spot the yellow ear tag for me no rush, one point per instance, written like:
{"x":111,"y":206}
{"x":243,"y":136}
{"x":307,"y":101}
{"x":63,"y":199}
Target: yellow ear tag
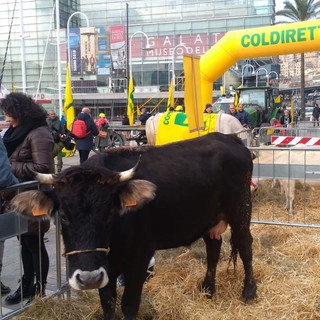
{"x":131,"y":203}
{"x":38,"y":212}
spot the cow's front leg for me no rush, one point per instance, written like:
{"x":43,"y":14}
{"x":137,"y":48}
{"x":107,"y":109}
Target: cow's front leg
{"x":213,"y":247}
{"x":134,"y":277}
{"x":108,"y":296}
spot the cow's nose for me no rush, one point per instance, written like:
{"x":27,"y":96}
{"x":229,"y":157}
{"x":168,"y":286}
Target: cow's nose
{"x":85,"y":280}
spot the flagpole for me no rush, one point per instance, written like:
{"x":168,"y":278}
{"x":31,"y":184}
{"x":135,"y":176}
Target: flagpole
{"x":59,"y":59}
{"x":22,"y":48}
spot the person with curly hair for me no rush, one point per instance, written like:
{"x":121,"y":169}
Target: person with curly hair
{"x":29,"y":145}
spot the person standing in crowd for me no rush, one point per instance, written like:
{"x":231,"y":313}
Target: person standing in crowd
{"x":232,"y":110}
{"x":285,"y":119}
{"x":315,"y":114}
{"x":6,"y":179}
{"x":208,"y":108}
{"x":29,"y":145}
{"x":85,"y":145}
{"x":243,"y":116}
{"x":144,"y":116}
{"x":54,"y":122}
{"x":125,"y":120}
{"x":178,"y":109}
{"x":56,"y":128}
{"x":102,"y":121}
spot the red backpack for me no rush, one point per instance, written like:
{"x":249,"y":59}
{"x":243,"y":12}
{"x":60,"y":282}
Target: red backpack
{"x":80,"y":129}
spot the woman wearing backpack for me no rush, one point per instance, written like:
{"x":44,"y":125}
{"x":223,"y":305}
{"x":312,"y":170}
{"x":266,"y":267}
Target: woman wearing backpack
{"x":84,"y":145}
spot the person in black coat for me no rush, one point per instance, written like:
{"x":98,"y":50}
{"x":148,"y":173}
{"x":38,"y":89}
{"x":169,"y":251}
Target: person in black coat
{"x":285,"y":119}
{"x":85,"y":145}
{"x":144,"y":116}
{"x":315,"y":115}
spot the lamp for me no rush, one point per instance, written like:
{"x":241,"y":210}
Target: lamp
{"x":68,"y":35}
{"x":257,"y":74}
{"x":277,"y":76}
{"x":243,"y":68}
{"x":147,"y":47}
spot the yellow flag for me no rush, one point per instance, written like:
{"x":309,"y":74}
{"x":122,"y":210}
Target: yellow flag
{"x":170,"y":103}
{"x":68,"y":107}
{"x":130,"y":107}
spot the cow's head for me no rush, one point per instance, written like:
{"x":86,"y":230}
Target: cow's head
{"x":87,"y":199}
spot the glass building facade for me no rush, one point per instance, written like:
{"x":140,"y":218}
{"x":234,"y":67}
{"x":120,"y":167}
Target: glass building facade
{"x":170,"y":25}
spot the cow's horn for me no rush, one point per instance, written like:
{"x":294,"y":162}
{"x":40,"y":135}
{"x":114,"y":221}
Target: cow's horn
{"x":45,"y":178}
{"x":128,"y":174}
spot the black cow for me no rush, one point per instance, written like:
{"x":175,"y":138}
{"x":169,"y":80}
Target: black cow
{"x":177,"y":194}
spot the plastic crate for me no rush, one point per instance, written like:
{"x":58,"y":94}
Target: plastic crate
{"x":12,"y":224}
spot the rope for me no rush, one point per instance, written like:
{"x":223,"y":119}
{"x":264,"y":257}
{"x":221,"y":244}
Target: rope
{"x":8,"y":41}
{"x":106,"y":250}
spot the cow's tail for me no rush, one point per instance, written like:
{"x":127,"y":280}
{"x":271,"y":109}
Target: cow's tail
{"x":234,"y":253}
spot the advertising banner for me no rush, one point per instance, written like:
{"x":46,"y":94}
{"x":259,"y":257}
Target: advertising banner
{"x":74,"y":46}
{"x":88,"y":50}
{"x":103,"y":56}
{"x":118,"y":46}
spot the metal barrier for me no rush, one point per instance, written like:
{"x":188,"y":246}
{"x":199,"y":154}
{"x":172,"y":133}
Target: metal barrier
{"x":289,"y":166}
{"x":12,"y":225}
{"x":301,"y":129}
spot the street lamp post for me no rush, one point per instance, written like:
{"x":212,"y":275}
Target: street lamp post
{"x":276,"y":73}
{"x":243,"y":68}
{"x":257,"y":74}
{"x":68,"y":35}
{"x":130,"y":55}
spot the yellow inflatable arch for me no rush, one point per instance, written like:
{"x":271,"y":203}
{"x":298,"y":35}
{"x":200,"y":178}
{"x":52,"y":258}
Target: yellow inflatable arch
{"x":257,"y":42}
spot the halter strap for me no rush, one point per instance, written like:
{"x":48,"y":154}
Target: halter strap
{"x":66,"y":254}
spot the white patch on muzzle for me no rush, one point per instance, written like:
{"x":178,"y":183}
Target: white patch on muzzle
{"x":86,"y":280}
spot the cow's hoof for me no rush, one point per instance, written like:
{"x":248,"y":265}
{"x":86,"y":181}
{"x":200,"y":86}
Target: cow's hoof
{"x":247,"y":301}
{"x":249,"y":294}
{"x":208,"y":289}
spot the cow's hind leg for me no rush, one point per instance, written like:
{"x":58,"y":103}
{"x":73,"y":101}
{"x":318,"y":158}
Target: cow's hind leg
{"x":213,"y":247}
{"x":241,"y":241}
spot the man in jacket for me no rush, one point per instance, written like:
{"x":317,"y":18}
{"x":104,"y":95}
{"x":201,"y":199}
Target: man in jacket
{"x":85,"y":145}
{"x":243,"y":116}
{"x":315,"y":114}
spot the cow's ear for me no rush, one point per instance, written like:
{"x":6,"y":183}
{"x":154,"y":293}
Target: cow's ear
{"x":135,"y":194}
{"x":34,"y":204}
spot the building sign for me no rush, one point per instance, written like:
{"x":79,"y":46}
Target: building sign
{"x":42,"y":98}
{"x":163,"y":46}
